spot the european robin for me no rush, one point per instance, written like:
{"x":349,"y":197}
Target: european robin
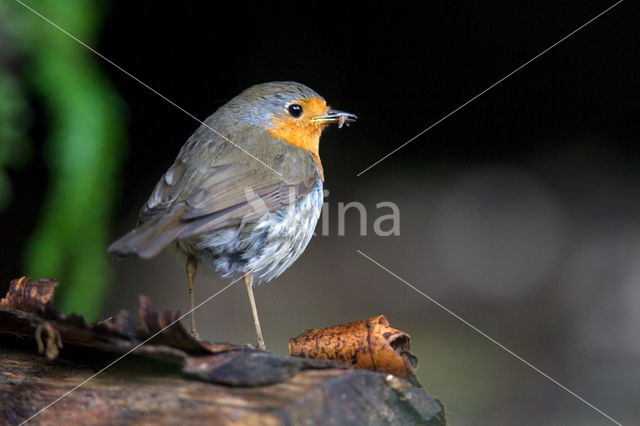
{"x":245,"y":192}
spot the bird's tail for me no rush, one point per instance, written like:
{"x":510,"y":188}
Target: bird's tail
{"x":148,"y":239}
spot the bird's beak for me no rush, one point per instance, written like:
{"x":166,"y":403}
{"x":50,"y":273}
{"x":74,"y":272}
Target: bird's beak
{"x":335,"y":116}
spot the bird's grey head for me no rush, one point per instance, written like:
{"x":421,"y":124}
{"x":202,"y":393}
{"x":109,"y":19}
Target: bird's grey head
{"x":260,"y":104}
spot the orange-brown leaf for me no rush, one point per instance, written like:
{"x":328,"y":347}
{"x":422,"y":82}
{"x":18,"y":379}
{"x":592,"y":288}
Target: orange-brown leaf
{"x":370,"y":344}
{"x":29,"y":296}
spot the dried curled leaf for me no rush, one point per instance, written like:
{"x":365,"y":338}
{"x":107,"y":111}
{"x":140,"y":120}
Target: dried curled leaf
{"x":370,"y":344}
{"x":26,"y":312}
{"x":49,"y":346}
{"x":30,"y":296}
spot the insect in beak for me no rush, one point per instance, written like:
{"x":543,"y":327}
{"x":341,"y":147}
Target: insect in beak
{"x":335,"y":116}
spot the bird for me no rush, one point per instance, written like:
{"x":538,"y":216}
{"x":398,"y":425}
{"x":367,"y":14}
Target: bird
{"x":245,"y":192}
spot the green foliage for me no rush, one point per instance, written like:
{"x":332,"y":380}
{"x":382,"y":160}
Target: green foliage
{"x":83,"y":151}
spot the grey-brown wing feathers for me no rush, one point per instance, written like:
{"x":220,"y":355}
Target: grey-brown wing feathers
{"x":204,"y":191}
{"x":149,"y":238}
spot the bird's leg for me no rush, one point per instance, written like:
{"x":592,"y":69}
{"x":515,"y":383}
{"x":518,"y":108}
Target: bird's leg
{"x":248,"y":283}
{"x":192,"y":270}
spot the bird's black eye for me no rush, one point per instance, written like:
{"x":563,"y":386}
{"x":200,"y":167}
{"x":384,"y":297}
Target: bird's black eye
{"x":295,"y":110}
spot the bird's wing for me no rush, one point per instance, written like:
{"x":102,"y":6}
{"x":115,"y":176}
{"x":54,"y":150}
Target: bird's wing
{"x":213,"y":185}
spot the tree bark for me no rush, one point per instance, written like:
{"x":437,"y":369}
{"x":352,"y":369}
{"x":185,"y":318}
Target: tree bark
{"x":140,"y":391}
{"x":122,"y":371}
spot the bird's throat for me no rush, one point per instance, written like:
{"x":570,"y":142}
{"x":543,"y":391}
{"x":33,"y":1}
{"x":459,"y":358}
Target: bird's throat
{"x":300,"y":134}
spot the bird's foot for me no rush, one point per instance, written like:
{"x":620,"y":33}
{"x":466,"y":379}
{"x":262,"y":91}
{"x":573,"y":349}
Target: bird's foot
{"x":195,"y":334}
{"x":256,"y":346}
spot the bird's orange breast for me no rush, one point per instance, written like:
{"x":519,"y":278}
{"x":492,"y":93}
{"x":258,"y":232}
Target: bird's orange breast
{"x":302,"y":131}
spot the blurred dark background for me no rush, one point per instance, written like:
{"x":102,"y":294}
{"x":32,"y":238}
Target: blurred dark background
{"x":519,"y":212}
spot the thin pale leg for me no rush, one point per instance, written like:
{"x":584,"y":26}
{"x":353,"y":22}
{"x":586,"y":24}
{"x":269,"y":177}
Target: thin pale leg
{"x":248,"y":283}
{"x":192,"y":270}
